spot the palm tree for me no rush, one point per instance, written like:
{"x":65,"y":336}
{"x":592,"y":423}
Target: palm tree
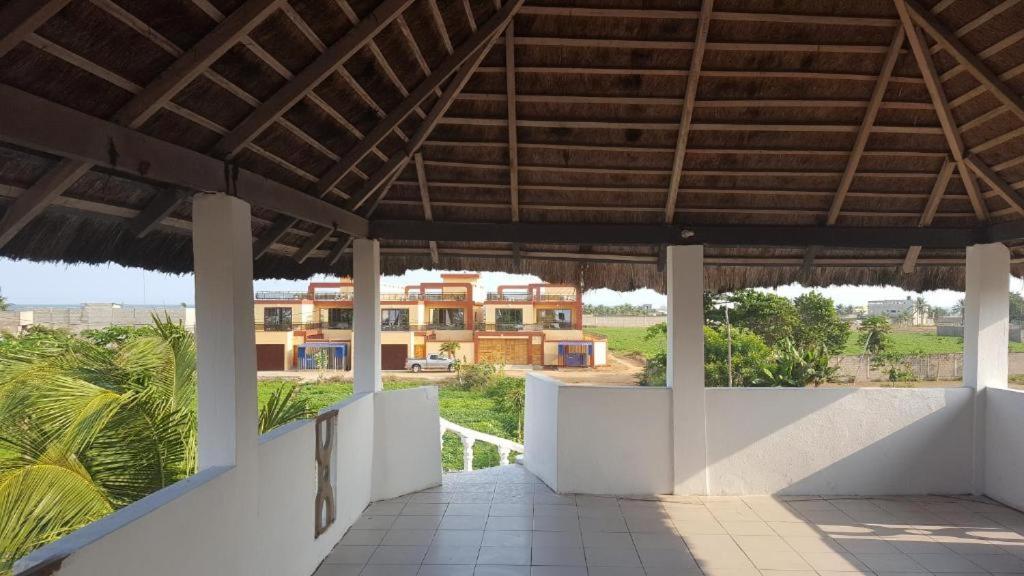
{"x":450,"y":349}
{"x":89,"y":427}
{"x":3,"y":303}
{"x":920,"y":307}
{"x":959,"y":308}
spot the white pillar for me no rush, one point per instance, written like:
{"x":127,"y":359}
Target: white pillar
{"x":986,"y":334}
{"x":685,"y":369}
{"x":366,"y":315}
{"x":225,"y":339}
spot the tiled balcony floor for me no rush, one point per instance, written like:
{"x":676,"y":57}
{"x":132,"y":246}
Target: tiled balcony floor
{"x":505,"y":522}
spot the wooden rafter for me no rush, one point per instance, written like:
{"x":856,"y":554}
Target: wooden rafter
{"x":452,"y":63}
{"x":938,"y":96}
{"x":692,"y":82}
{"x":428,"y":212}
{"x":477,"y":49}
{"x":861,"y":142}
{"x":513,"y":136}
{"x":442,"y":30}
{"x":996,"y":182}
{"x":930,"y":209}
{"x":309,"y":78}
{"x":159,"y":208}
{"x":38,"y":124}
{"x":21,"y":18}
{"x":971,"y":61}
{"x":312,"y":244}
{"x":140,"y":108}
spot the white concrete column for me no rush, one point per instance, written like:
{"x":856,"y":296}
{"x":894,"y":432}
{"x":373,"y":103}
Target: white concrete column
{"x":986,"y":333}
{"x":366,"y":315}
{"x":225,"y":339}
{"x":685,"y":369}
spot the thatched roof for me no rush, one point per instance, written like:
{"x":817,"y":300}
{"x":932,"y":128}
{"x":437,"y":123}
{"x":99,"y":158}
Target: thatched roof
{"x":774,"y":99}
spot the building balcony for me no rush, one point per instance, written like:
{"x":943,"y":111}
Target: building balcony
{"x":281,"y":295}
{"x":517,"y":327}
{"x":509,"y":297}
{"x":291,"y":326}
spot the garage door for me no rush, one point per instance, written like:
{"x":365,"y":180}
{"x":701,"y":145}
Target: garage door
{"x":392,"y":356}
{"x":504,"y":350}
{"x":270,"y":356}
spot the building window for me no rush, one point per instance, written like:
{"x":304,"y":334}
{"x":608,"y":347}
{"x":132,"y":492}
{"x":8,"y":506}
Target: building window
{"x":508,"y":319}
{"x":394,"y":319}
{"x":448,"y":319}
{"x":555,"y":319}
{"x":277,"y":319}
{"x":339,"y":318}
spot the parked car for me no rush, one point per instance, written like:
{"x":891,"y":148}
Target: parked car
{"x":431,"y":362}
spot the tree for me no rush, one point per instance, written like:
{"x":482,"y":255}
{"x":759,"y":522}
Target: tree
{"x":770,"y":316}
{"x":749,"y":354}
{"x":819,"y":324}
{"x":89,"y":427}
{"x":875,"y":335}
{"x":920,"y":307}
{"x":450,"y":349}
{"x":959,"y":308}
{"x":3,"y":303}
{"x":1016,"y":307}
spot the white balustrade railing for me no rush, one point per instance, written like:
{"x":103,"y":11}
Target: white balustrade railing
{"x":468,"y":436}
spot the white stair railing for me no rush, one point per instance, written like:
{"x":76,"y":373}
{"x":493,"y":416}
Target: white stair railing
{"x":468,"y":436}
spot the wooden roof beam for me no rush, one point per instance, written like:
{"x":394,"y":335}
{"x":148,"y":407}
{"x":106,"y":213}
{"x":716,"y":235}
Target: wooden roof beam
{"x":20,"y":18}
{"x":861,"y":142}
{"x":930,"y":209}
{"x":428,"y":212}
{"x":140,"y":108}
{"x":312,"y":244}
{"x":668,"y":234}
{"x":996,"y":182}
{"x":956,"y":48}
{"x":154,"y":213}
{"x":38,"y":124}
{"x":686,"y":116}
{"x":942,"y":109}
{"x":450,"y":65}
{"x":309,"y":78}
{"x":513,"y":136}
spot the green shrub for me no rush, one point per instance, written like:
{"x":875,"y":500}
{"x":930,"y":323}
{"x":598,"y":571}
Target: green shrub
{"x":795,"y":367}
{"x":473,"y":376}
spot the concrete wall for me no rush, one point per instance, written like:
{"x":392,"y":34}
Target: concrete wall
{"x":598,"y":439}
{"x":590,"y":320}
{"x":839,"y":441}
{"x":386,"y":443}
{"x":929,"y":367}
{"x":97,"y":316}
{"x":614,"y":440}
{"x":1004,"y":446}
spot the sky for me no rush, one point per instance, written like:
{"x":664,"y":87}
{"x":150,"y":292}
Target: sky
{"x":31,"y":283}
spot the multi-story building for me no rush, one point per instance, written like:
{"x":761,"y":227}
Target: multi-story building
{"x":537,"y":324}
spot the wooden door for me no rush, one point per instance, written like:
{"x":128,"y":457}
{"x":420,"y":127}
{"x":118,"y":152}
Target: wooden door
{"x":392,"y":356}
{"x":270,"y":357}
{"x":504,"y":350}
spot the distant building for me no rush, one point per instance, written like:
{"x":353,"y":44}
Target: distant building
{"x":93,"y":316}
{"x":900,"y":311}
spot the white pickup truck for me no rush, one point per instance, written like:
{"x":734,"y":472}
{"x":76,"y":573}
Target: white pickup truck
{"x":431,"y":362}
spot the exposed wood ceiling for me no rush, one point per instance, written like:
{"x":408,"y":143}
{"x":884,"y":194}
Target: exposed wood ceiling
{"x":329,"y":114}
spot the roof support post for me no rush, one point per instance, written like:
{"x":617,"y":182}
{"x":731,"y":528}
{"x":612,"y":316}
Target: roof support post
{"x":685,"y":370}
{"x":692,"y":82}
{"x":949,"y":128}
{"x":366,"y":316}
{"x":986,"y":327}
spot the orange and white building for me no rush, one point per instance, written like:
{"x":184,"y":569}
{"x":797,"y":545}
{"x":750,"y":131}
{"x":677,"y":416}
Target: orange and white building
{"x":526,"y":325}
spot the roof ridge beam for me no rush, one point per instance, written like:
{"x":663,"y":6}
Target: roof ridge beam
{"x":686,"y":116}
{"x":867,"y":122}
{"x":959,"y":51}
{"x":954,"y":140}
{"x":139,"y":109}
{"x":309,"y":78}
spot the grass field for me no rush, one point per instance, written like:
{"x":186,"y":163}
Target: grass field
{"x":631,"y":341}
{"x":471,"y":409}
